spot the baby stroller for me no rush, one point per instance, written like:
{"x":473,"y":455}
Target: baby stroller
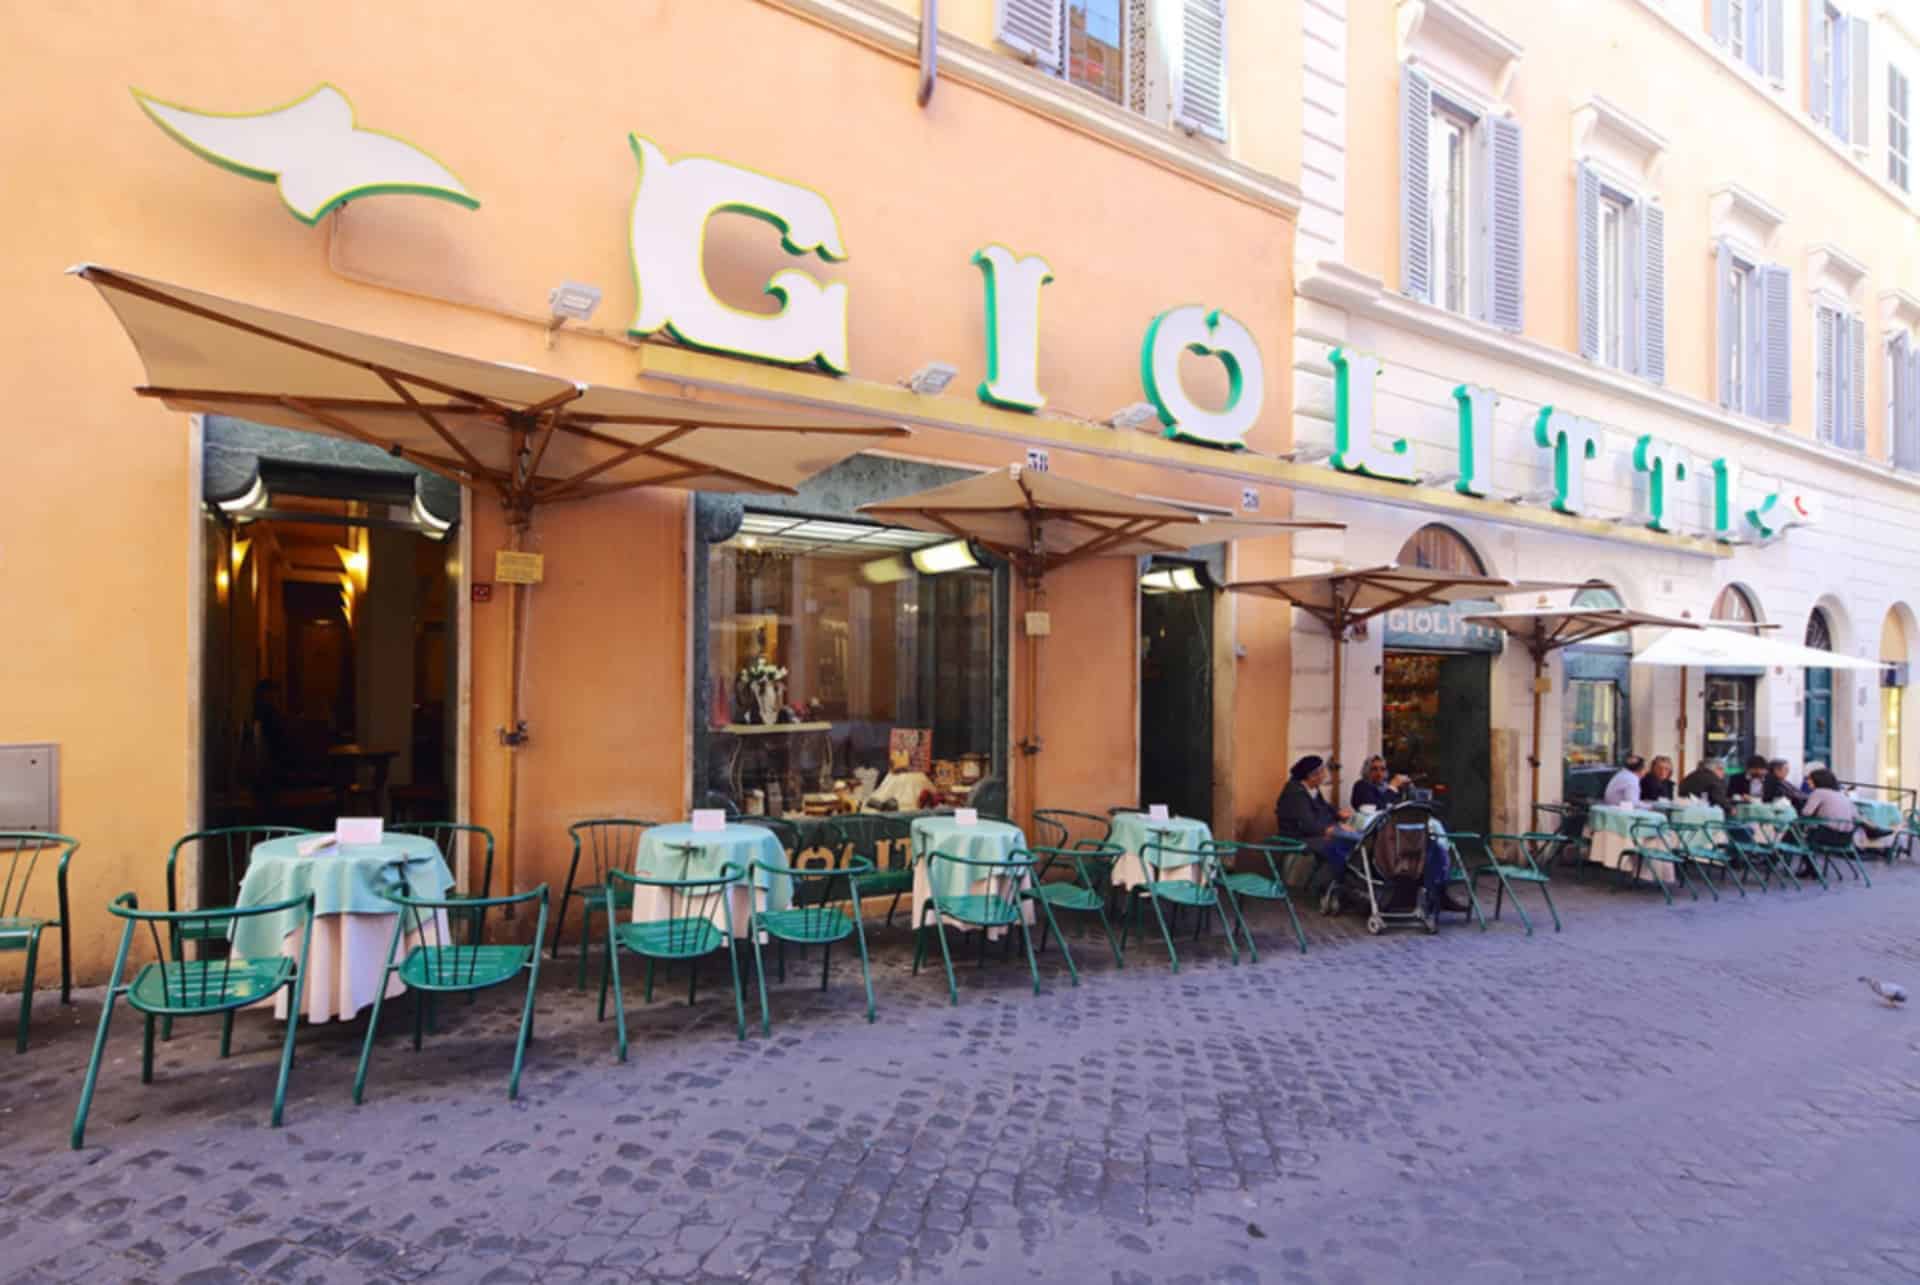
{"x":1391,"y":864}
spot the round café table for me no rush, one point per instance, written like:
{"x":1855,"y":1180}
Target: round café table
{"x":984,"y":840}
{"x":352,"y":918}
{"x":1133,"y":831}
{"x":679,"y":851}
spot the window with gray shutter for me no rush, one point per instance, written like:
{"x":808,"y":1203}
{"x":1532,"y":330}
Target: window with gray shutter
{"x":1855,"y":385}
{"x":1718,"y":22}
{"x":1032,"y":28}
{"x":1826,"y":373}
{"x":1819,"y":50}
{"x":1587,"y":248}
{"x":1859,"y":101}
{"x":1776,"y":42}
{"x":1416,"y":217}
{"x":1840,"y":110}
{"x":1505,"y":257}
{"x":1727,"y":331}
{"x":1908,"y":455}
{"x":1776,"y":293}
{"x":1200,"y":69}
{"x":1653,"y":292}
{"x":1899,"y":395}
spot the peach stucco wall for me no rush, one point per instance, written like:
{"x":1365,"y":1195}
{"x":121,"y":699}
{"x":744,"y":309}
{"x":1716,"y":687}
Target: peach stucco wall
{"x":533,"y":115}
{"x":1721,"y":130}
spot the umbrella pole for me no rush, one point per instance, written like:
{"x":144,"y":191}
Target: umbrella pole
{"x":1533,"y":755}
{"x":510,"y":735}
{"x":1339,"y":646}
{"x":1682,"y":724}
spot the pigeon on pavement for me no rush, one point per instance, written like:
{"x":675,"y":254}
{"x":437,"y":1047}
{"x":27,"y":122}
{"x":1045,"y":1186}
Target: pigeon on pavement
{"x":1892,"y":992}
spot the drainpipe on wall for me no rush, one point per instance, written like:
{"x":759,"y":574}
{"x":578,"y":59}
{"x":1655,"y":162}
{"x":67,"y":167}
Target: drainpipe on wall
{"x":929,"y":49}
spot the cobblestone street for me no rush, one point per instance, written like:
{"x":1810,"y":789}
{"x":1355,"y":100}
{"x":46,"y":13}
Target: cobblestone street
{"x":1698,"y":1093}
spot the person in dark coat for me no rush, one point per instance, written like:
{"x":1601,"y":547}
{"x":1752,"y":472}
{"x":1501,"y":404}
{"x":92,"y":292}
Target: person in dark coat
{"x":1779,"y":785}
{"x":1753,"y":783}
{"x":1708,"y":782}
{"x":1303,"y":813}
{"x":1657,"y":784}
{"x":1375,"y":788}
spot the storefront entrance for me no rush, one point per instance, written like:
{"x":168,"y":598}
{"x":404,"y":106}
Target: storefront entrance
{"x":1436,"y":716}
{"x":1176,"y":692}
{"x":1817,"y":743}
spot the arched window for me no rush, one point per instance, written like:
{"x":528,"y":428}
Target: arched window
{"x":1734,"y":603}
{"x":1438,"y":548}
{"x":1819,"y":631}
{"x":1597,"y":595}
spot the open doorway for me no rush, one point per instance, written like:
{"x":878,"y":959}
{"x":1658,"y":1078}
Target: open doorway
{"x":329,"y":680}
{"x":1176,"y":688}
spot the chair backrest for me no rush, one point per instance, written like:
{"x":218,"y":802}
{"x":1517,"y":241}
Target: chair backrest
{"x":450,"y":837}
{"x":692,"y":900}
{"x":1000,"y":881}
{"x":207,"y":983}
{"x":1090,"y":863}
{"x":23,"y":853}
{"x":1066,"y":828}
{"x":222,"y":854}
{"x":815,"y":890}
{"x":1653,"y":835}
{"x":605,"y":844}
{"x":880,"y":840}
{"x":449,"y":962}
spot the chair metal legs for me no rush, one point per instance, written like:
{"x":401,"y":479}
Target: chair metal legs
{"x":26,"y":995}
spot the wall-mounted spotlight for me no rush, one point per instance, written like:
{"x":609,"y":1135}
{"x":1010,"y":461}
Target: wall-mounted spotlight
{"x":1307,"y":454}
{"x":1138,"y":415}
{"x":931,"y":379}
{"x":570,"y":301}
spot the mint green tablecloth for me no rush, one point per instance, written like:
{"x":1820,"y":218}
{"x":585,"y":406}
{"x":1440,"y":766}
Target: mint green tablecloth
{"x":981,"y":841}
{"x":350,"y":880}
{"x":1778,"y":812}
{"x":1620,"y":821}
{"x":678,"y":851}
{"x":1878,"y":812}
{"x":1135,"y":830}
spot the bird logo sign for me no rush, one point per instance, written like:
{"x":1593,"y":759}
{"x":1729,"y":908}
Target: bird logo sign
{"x":312,"y":150}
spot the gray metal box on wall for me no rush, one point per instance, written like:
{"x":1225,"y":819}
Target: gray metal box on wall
{"x":30,"y":787}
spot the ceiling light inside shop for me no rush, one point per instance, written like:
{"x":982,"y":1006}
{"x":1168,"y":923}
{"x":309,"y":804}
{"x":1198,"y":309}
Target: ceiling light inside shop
{"x":1171,"y":580}
{"x":931,"y":378}
{"x":955,"y":555}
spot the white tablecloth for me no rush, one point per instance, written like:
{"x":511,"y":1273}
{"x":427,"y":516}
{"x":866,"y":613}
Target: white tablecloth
{"x":344,"y":964}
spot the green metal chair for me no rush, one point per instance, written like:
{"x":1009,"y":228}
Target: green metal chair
{"x":883,"y":842}
{"x":437,"y":964}
{"x":1459,"y":877}
{"x":1181,"y":878}
{"x":450,"y":836}
{"x":607,"y":844}
{"x":1706,"y":854}
{"x":1261,"y":884}
{"x":1086,"y":891}
{"x":1536,"y":852}
{"x":812,"y":918}
{"x":223,"y":854}
{"x":180,"y":987}
{"x":1065,"y":828}
{"x":1755,"y":853}
{"x":688,"y":934}
{"x":1654,"y":841}
{"x":23,"y":853}
{"x":1734,"y":860}
{"x":999,"y":907}
{"x":1827,"y":845}
{"x":1792,"y":852}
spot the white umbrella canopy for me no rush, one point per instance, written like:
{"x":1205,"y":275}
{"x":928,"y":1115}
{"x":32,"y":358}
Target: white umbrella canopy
{"x":1710,"y":648}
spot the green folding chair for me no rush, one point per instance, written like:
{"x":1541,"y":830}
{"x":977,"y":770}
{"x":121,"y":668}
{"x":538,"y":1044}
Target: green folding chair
{"x":1174,"y":879}
{"x":173,"y":986}
{"x":1705,"y":856}
{"x":23,"y":853}
{"x":1085,"y":889}
{"x":1260,"y":884}
{"x":1536,"y":852}
{"x":1652,"y":842}
{"x":605,"y":844}
{"x":223,"y":855}
{"x":687,"y":935}
{"x":999,"y":907}
{"x":1830,"y":845}
{"x":812,"y":917}
{"x":1793,"y":852}
{"x":450,"y":837}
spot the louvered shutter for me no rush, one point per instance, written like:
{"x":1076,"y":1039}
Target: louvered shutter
{"x":1653,"y":292}
{"x":1033,"y":28}
{"x":1587,"y":246}
{"x":1819,"y":93}
{"x":1825,"y":374}
{"x":1910,"y":422}
{"x":1723,"y":343}
{"x":1776,"y":291}
{"x":1899,"y":396}
{"x":1776,"y":41}
{"x":1200,"y":70}
{"x":1505,"y":214}
{"x":1720,"y":22}
{"x":1840,"y":111}
{"x":1416,"y":177}
{"x":1857,"y":383}
{"x":1860,"y":36}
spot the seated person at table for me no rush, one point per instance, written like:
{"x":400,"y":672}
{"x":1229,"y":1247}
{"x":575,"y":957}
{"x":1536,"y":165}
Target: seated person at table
{"x":1806,"y":775}
{"x":1779,"y":786}
{"x":1657,"y":784}
{"x":1830,"y":805}
{"x":1375,"y":788}
{"x":1302,"y":812}
{"x":1751,"y":785}
{"x":1623,"y":788}
{"x":1708,"y":783}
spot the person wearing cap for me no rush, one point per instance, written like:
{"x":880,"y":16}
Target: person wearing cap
{"x":1303,"y":813}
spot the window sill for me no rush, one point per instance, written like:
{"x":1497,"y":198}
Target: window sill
{"x":993,"y":72}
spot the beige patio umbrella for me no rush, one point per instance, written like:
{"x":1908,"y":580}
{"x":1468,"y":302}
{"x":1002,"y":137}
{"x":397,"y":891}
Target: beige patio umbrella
{"x":525,"y":437}
{"x":1545,"y":630}
{"x":1343,"y":598}
{"x":1041,"y":521}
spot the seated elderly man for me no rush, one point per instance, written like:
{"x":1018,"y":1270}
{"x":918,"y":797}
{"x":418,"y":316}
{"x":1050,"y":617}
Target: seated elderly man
{"x":1623,"y":789}
{"x":1707,"y":782}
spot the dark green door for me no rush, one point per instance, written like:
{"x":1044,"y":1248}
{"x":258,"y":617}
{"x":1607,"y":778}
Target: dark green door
{"x":1463,"y":742}
{"x":1819,"y":738}
{"x":1176,"y":702}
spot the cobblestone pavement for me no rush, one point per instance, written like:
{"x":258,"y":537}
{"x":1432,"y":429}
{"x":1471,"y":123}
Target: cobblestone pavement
{"x":1698,"y":1093}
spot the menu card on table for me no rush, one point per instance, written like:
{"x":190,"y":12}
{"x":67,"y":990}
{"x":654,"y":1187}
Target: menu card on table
{"x":358,"y":830}
{"x":1157,"y":812}
{"x":709,"y":820}
{"x":966,"y":816}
